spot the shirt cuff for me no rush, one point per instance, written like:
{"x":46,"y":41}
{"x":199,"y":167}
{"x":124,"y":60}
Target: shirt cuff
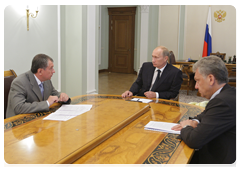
{"x":196,"y":120}
{"x":47,"y":103}
{"x":157,"y":95}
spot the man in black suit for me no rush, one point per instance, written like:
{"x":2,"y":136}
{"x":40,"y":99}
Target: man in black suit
{"x":152,"y":83}
{"x":213,"y":132}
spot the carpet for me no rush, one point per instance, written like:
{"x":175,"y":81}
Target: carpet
{"x":191,"y":97}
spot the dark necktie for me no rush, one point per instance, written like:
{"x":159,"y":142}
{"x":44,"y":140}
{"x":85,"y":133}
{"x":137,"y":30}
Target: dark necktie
{"x":41,"y":89}
{"x":157,"y":78}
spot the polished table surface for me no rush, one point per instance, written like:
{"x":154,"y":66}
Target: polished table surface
{"x":112,"y":132}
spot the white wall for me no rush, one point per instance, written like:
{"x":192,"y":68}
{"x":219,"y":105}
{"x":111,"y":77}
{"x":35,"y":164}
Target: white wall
{"x":60,"y":32}
{"x":223,"y":33}
{"x":169,"y":27}
{"x":20,"y":45}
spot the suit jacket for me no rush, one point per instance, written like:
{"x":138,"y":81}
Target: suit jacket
{"x":168,"y":85}
{"x":215,"y":135}
{"x":25,"y":95}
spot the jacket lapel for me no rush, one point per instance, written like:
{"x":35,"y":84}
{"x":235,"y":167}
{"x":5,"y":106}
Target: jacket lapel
{"x":35,"y":87}
{"x":45,"y":93}
{"x":151,"y":72}
{"x":164,"y":74}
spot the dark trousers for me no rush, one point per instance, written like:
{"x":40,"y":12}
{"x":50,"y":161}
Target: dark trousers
{"x":195,"y":158}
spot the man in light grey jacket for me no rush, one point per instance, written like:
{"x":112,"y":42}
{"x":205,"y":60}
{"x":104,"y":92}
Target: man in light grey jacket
{"x":33,"y":91}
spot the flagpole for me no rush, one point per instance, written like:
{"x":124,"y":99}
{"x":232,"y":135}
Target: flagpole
{"x":207,"y":45}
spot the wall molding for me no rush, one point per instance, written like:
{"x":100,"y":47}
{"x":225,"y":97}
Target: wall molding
{"x":144,"y":8}
{"x":91,"y":48}
{"x":59,"y":47}
{"x":144,"y":34}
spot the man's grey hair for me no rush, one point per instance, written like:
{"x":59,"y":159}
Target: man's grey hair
{"x":212,"y":65}
{"x":40,"y":61}
{"x":165,"y":51}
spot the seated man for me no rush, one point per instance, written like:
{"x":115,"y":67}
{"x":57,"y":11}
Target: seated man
{"x":153,"y":83}
{"x":26,"y":95}
{"x":213,"y":132}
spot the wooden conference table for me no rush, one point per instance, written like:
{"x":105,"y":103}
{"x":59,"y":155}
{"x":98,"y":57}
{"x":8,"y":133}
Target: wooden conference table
{"x":112,"y":132}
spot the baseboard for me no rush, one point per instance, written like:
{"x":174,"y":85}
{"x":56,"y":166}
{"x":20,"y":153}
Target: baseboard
{"x":106,"y":70}
{"x":103,"y":70}
{"x":94,"y":91}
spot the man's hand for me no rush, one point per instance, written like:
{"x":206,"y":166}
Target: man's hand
{"x":150,"y":94}
{"x":185,"y":123}
{"x":52,"y":99}
{"x":63,"y":97}
{"x":177,"y":127}
{"x":189,"y":122}
{"x":127,"y":94}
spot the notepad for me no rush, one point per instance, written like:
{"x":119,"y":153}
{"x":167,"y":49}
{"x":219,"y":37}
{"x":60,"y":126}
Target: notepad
{"x":141,"y":100}
{"x":161,"y":126}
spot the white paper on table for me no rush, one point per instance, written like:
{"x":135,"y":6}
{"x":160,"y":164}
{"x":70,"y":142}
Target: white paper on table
{"x":73,"y":110}
{"x":58,"y":117}
{"x":161,"y":126}
{"x":135,"y":99}
{"x":145,"y":100}
{"x":141,"y":100}
{"x":66,"y":112}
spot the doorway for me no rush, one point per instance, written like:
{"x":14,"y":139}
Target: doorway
{"x":121,"y":39}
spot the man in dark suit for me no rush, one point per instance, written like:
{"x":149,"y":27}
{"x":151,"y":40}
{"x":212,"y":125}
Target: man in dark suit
{"x":33,"y":91}
{"x":152,"y":83}
{"x":213,"y":132}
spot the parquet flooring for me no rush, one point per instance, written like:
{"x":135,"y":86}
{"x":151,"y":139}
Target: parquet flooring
{"x":115,"y":83}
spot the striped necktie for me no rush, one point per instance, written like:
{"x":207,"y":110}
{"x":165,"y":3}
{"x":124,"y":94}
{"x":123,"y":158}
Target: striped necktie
{"x":41,"y":89}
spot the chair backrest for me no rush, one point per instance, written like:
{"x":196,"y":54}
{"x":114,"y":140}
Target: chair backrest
{"x":171,"y":58}
{"x":8,"y":78}
{"x":221,"y":55}
{"x":179,"y":66}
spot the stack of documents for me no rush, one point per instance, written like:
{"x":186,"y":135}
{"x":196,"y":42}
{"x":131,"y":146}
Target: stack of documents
{"x":141,"y":100}
{"x":161,"y":126}
{"x":66,"y":112}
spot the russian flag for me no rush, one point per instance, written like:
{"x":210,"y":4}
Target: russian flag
{"x":207,"y":46}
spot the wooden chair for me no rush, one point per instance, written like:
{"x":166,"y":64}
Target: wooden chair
{"x":171,"y":58}
{"x":9,"y":76}
{"x":188,"y":77}
{"x":221,"y":55}
{"x":231,"y":74}
{"x":179,"y":66}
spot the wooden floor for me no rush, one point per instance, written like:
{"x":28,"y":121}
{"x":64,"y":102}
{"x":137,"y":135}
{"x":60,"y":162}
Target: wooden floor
{"x":115,"y":83}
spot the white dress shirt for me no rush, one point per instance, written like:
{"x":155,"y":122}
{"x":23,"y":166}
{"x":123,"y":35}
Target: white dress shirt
{"x":216,"y":93}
